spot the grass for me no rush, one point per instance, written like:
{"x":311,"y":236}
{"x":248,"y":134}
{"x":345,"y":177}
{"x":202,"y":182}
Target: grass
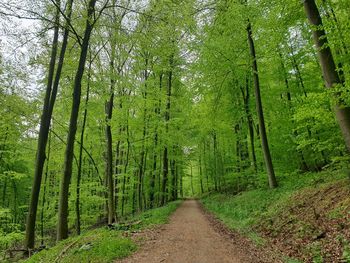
{"x":288,"y":212}
{"x":241,"y":212}
{"x":100,"y":245}
{"x":103,"y":245}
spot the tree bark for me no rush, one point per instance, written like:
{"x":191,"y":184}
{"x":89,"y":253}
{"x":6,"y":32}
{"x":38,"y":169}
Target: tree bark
{"x":142,"y":166}
{"x":44,"y":190}
{"x":77,"y":201}
{"x":246,"y":98}
{"x":126,"y":164}
{"x":109,"y":142}
{"x":328,"y":66}
{"x":155,"y":156}
{"x":173,"y":177}
{"x":200,"y":173}
{"x":165,"y":152}
{"x":260,"y":113}
{"x":62,"y":227}
{"x":42,"y":141}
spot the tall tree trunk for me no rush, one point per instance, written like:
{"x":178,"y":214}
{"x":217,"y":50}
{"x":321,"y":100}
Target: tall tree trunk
{"x":246,"y":98}
{"x":80,"y":160}
{"x":289,"y":99}
{"x":192,"y":188}
{"x":173,"y":177}
{"x":118,"y":161}
{"x":3,"y":145}
{"x":215,"y":173}
{"x":260,"y":113}
{"x":238,"y":148}
{"x":126,"y":164}
{"x":44,"y":190}
{"x":328,"y":67}
{"x":300,"y":80}
{"x":62,"y":227}
{"x":200,"y":173}
{"x":165,"y":152}
{"x":142,"y":153}
{"x":154,"y":173}
{"x":206,"y":166}
{"x":42,"y":141}
{"x":109,"y":146}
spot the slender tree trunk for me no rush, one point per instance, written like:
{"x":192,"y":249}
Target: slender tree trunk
{"x":49,"y":102}
{"x":181,"y":185}
{"x":289,"y":99}
{"x":4,"y":189}
{"x":134,"y":193}
{"x":246,"y":99}
{"x":200,"y":174}
{"x":44,"y":190}
{"x":62,"y":227}
{"x":264,"y":141}
{"x":173,"y":177}
{"x":206,"y":166}
{"x":118,"y":158}
{"x":3,"y":145}
{"x":109,"y":150}
{"x":42,"y":141}
{"x":297,"y":70}
{"x":238,"y":148}
{"x":118,"y":161}
{"x":126,"y":164}
{"x":328,"y":67}
{"x":165,"y":152}
{"x":192,"y":188}
{"x":142,"y":153}
{"x":176,"y":190}
{"x":154,"y":173}
{"x":215,"y":173}
{"x":80,"y":160}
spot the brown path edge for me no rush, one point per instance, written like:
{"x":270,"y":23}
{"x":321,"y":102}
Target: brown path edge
{"x":194,"y":235}
{"x":253,"y":252}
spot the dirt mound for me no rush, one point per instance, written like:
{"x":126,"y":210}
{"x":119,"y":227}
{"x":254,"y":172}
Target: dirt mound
{"x":315,"y":227}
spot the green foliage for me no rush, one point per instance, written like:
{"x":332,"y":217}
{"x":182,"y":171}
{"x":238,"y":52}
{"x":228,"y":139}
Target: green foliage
{"x":104,"y":245}
{"x":8,"y":241}
{"x":100,"y":245}
{"x":183,"y":115}
{"x":157,"y":216}
{"x":241,"y":212}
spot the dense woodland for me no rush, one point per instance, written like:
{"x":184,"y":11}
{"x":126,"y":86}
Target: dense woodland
{"x":113,"y":107}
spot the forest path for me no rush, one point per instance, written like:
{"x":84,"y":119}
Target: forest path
{"x":189,"y":237}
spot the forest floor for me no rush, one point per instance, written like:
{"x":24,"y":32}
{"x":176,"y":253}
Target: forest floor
{"x":305,"y":219}
{"x":192,"y":236}
{"x":104,"y":245}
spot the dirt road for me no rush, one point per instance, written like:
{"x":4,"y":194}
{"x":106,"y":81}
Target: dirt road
{"x":188,"y":238}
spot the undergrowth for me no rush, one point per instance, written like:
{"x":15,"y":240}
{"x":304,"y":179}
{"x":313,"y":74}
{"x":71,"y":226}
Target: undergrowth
{"x":104,"y":244}
{"x":265,"y":209}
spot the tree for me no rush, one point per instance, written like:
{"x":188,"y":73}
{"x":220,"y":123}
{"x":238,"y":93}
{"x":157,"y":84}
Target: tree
{"x":260,"y":113}
{"x":62,"y":226}
{"x":49,"y":101}
{"x":329,"y":69}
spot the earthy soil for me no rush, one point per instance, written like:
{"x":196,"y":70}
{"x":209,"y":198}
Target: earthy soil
{"x":315,"y":225}
{"x":193,"y":236}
